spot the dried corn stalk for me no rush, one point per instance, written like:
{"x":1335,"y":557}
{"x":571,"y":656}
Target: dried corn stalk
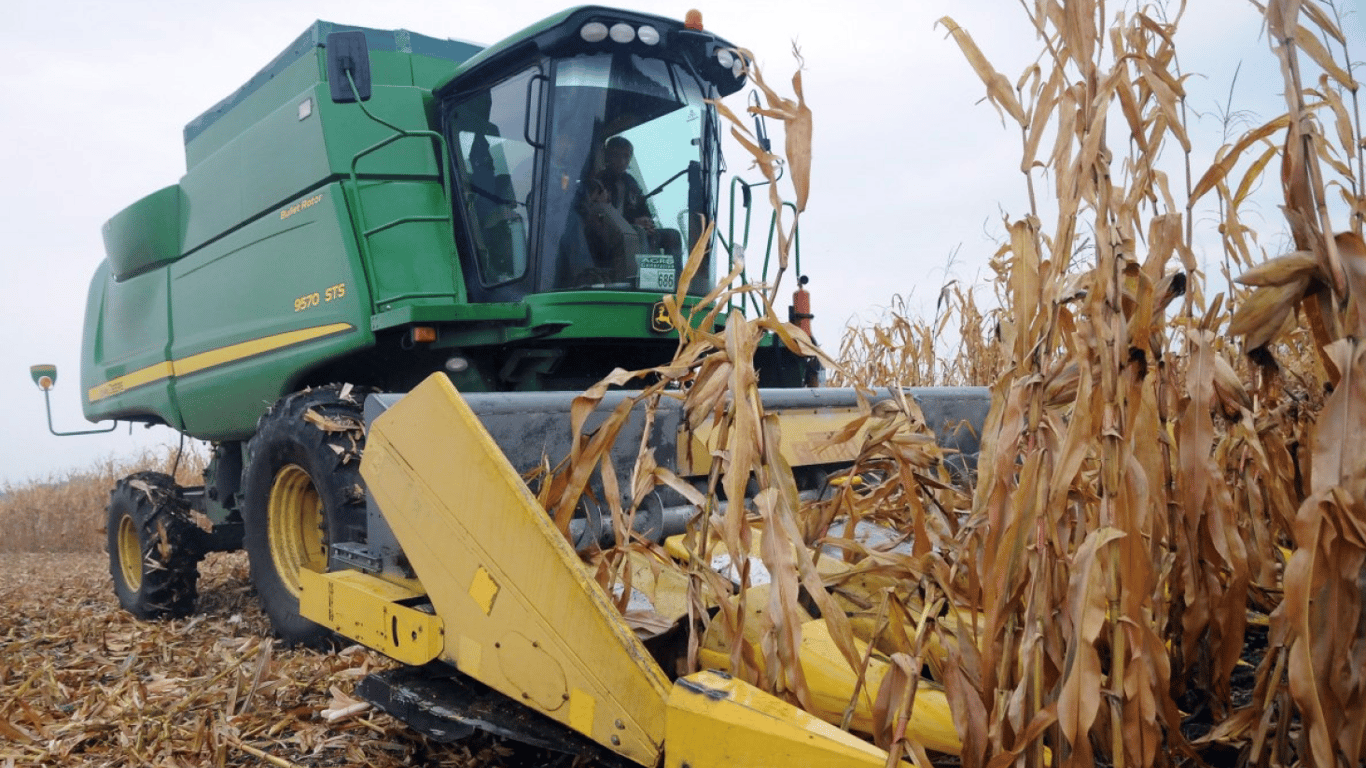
{"x":1137,"y":482}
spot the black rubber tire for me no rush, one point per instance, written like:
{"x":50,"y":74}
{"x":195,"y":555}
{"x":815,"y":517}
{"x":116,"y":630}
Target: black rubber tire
{"x":303,"y":473}
{"x":148,"y":516}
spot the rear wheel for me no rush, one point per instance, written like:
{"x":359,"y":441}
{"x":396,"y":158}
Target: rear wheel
{"x":303,"y":493}
{"x":154,"y":548}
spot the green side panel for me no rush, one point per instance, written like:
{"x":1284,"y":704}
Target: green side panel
{"x":596,"y":314}
{"x":302,"y":63}
{"x":386,"y":67}
{"x":270,"y":96}
{"x":302,"y":144}
{"x":238,"y":302}
{"x":125,"y":340}
{"x":230,"y":187}
{"x":349,"y":132}
{"x":145,"y":234}
{"x":411,"y":248}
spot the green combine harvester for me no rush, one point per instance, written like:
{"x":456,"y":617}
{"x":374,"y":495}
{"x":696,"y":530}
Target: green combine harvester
{"x":417,"y":251}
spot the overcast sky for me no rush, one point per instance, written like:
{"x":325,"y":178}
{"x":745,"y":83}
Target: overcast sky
{"x":911,"y":174}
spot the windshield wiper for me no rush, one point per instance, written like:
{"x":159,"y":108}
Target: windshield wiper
{"x":661,"y":187}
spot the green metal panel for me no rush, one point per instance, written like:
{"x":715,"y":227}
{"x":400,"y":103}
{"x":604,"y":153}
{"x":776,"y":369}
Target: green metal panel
{"x":236,"y":302}
{"x":442,"y":311}
{"x":597,"y":314}
{"x":429,"y":72}
{"x":349,"y":131}
{"x":124,"y":348}
{"x":233,"y":185}
{"x":410,"y":258}
{"x":513,"y":40}
{"x":283,"y":155}
{"x":273,"y":93}
{"x":301,"y":64}
{"x":144,"y":234}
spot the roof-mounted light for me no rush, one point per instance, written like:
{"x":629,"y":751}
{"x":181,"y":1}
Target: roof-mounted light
{"x":738,"y":68}
{"x":648,"y":35}
{"x":622,"y":32}
{"x":593,"y":32}
{"x":725,"y":58}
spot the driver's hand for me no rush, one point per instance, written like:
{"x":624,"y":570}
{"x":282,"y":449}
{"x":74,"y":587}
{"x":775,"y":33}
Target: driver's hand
{"x":646,"y":223}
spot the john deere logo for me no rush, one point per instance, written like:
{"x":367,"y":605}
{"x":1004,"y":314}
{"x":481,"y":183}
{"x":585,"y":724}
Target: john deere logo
{"x":659,"y":318}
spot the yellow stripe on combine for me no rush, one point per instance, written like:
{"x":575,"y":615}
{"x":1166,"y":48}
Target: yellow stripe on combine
{"x":198,"y":362}
{"x":234,"y":352}
{"x":129,"y":380}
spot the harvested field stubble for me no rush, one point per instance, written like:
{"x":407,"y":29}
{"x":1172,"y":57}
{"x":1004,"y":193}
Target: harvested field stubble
{"x":84,"y":684}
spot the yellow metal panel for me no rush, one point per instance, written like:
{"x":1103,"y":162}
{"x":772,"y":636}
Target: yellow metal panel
{"x":832,"y":685}
{"x":483,"y":589}
{"x":581,"y":706}
{"x":366,"y":609}
{"x":456,"y":506}
{"x":804,"y":442}
{"x":664,"y":585}
{"x":715,"y":720}
{"x":471,"y":655}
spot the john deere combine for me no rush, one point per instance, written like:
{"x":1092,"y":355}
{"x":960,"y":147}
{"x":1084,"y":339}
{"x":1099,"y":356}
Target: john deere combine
{"x":466,"y":235}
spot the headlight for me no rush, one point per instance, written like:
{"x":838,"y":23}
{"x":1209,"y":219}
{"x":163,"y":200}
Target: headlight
{"x":738,"y":68}
{"x":648,"y":35}
{"x":593,"y":32}
{"x":622,"y":33}
{"x":725,"y":58}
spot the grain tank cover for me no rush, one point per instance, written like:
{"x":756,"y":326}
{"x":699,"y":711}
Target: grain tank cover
{"x":302,"y":60}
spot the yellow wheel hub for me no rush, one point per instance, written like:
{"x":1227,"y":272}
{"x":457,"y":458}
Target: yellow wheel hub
{"x":295,"y":526}
{"x":130,"y":553}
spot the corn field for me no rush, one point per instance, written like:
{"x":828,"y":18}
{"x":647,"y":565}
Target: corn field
{"x":66,"y":513}
{"x":1167,"y":499}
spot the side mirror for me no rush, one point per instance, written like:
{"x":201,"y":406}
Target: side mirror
{"x":45,"y":376}
{"x":348,"y":55}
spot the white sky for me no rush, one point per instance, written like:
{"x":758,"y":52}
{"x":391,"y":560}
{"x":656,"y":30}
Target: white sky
{"x":909,"y":169}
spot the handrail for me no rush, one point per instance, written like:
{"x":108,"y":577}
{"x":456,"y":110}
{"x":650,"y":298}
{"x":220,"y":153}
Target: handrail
{"x":443,"y":172}
{"x":743,"y":244}
{"x":796,"y":240}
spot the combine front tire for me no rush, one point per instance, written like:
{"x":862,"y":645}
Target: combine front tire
{"x":303,"y":493}
{"x":154,"y":550}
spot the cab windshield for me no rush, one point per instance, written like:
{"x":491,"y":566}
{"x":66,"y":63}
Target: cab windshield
{"x":630,"y":174}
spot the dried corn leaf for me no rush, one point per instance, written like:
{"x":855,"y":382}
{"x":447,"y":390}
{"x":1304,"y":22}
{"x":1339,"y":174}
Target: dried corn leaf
{"x":999,"y":91}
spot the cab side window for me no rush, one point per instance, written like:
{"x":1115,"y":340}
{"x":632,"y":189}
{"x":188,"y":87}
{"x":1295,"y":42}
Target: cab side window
{"x":497,"y":167}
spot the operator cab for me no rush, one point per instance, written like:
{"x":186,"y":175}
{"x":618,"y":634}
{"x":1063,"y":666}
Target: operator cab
{"x":586,"y":155}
